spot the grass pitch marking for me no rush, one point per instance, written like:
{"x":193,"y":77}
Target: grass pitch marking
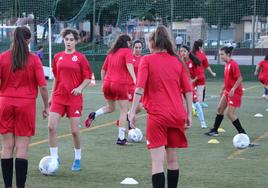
{"x":81,"y":131}
{"x":236,"y":153}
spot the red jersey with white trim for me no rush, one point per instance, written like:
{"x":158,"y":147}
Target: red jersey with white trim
{"x":69,"y":70}
{"x":264,"y":71}
{"x":200,"y":70}
{"x":115,"y":66}
{"x":164,"y":79}
{"x":231,"y":74}
{"x":135,"y":62}
{"x":22,"y":83}
{"x":192,"y":68}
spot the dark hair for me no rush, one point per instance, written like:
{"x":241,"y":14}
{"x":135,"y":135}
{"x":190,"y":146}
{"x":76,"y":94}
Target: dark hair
{"x":197,"y":44}
{"x":162,"y":41}
{"x":68,"y":31}
{"x":40,"y":47}
{"x":19,"y":47}
{"x":191,"y":55}
{"x":136,"y":42}
{"x":121,"y":42}
{"x":266,"y":57}
{"x":227,"y":50}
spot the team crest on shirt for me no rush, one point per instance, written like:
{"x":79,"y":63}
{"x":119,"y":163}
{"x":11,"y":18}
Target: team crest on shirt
{"x":134,"y":60}
{"x":60,"y":58}
{"x":74,"y":58}
{"x":231,"y":102}
{"x":190,"y":65}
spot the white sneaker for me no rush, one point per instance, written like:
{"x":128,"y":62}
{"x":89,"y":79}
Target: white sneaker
{"x":203,"y":125}
{"x":264,"y":96}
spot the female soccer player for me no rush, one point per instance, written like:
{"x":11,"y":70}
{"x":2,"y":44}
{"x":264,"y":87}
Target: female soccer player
{"x":117,"y":73}
{"x":192,"y":63}
{"x":201,"y":79}
{"x":162,"y":78}
{"x":231,"y":93}
{"x":72,"y":74}
{"x":263,"y":76}
{"x":21,"y":73}
{"x":137,"y":49}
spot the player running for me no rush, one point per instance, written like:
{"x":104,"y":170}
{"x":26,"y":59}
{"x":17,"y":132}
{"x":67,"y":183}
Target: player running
{"x":200,"y":83}
{"x":263,"y":76}
{"x":162,"y":79}
{"x":21,"y":73}
{"x":117,"y":73}
{"x":192,"y":63}
{"x":72,"y":74}
{"x":231,"y":93}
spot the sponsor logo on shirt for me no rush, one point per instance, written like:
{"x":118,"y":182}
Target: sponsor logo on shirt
{"x":147,"y":141}
{"x":134,"y":60}
{"x":60,"y":58}
{"x":231,"y":102}
{"x":74,"y":58}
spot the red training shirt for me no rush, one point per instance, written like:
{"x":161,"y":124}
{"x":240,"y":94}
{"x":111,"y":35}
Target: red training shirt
{"x":231,"y":74}
{"x":69,"y":70}
{"x":22,"y":83}
{"x":115,"y":66}
{"x":164,"y":79}
{"x":200,"y":70}
{"x":264,"y":71}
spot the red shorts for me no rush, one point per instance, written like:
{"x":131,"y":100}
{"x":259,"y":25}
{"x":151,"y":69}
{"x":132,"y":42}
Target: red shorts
{"x":17,"y":116}
{"x":263,"y":80}
{"x":69,"y":110}
{"x":158,"y":135}
{"x":200,"y":81}
{"x":234,"y":101}
{"x":115,"y":91}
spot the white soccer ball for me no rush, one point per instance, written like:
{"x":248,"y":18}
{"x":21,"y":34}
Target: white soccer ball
{"x":48,"y":165}
{"x":241,"y":141}
{"x":135,"y":135}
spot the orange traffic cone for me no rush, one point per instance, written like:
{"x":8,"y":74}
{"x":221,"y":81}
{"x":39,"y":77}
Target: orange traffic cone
{"x":93,"y":81}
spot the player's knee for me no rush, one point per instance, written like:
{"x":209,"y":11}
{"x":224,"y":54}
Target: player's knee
{"x":52,"y":129}
{"x":220,"y":110}
{"x":111,"y":109}
{"x":8,"y":147}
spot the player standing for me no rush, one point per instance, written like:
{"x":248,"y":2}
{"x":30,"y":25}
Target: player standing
{"x":231,"y":93}
{"x":72,"y":74}
{"x":201,"y":78}
{"x":162,"y":79}
{"x":21,"y":73}
{"x":263,"y":76}
{"x":117,"y":73}
{"x":192,"y":63}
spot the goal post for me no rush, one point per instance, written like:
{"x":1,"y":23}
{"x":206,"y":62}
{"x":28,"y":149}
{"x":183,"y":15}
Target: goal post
{"x":6,"y":32}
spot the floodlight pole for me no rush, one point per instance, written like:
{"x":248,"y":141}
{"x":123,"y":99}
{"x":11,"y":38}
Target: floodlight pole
{"x":171,"y":16}
{"x":94,"y":22}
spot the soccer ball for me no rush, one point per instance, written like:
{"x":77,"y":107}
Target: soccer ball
{"x":135,"y":135}
{"x":241,"y":141}
{"x":48,"y":165}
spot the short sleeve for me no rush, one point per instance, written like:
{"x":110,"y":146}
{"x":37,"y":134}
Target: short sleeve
{"x":85,"y":67}
{"x":235,"y":70}
{"x":105,"y":64}
{"x":39,"y":72}
{"x":185,"y":82}
{"x":205,"y":61}
{"x":128,"y":56}
{"x":143,"y":72}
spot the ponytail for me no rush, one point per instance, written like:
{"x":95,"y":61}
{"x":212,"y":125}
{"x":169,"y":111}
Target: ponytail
{"x":19,"y":47}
